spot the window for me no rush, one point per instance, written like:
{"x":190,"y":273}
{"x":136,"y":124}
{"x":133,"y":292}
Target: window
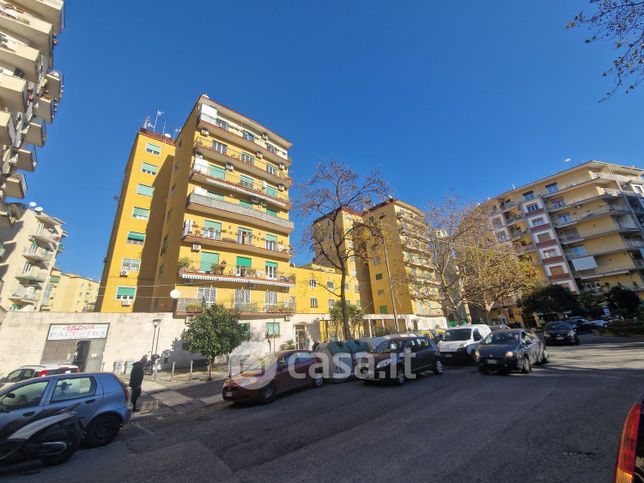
{"x":331,"y":303}
{"x":247,"y":158}
{"x":578,"y":251}
{"x":144,"y":190}
{"x":528,"y":195}
{"x":271,"y":191}
{"x":376,"y":261}
{"x":638,"y":188}
{"x":329,"y":285}
{"x":314,"y":302}
{"x":271,"y":270}
{"x":565,"y":218}
{"x":173,"y":189}
{"x":242,"y":296}
{"x":271,"y":212}
{"x":153,"y":148}
{"x":168,"y":215}
{"x":220,"y":147}
{"x":222,"y":124}
{"x":245,"y":327}
{"x":272,"y":329}
{"x":148,"y":168}
{"x":208,"y":261}
{"x":271,"y":242}
{"x":558,"y":203}
{"x":73,"y":388}
{"x":381,"y":291}
{"x":346,"y":287}
{"x":216,"y":171}
{"x":532,"y":207}
{"x":557,"y":270}
{"x":271,"y":169}
{"x":356,"y":288}
{"x":164,"y":244}
{"x":130,"y":264}
{"x":246,"y":204}
{"x":378,"y":276}
{"x":550,"y":253}
{"x":140,"y":213}
{"x":125,"y":293}
{"x":552,"y":188}
{"x":211,"y":229}
{"x":244,"y":236}
{"x":207,"y":295}
{"x":538,"y":221}
{"x":243,"y":266}
{"x":246,"y":182}
{"x":135,"y":238}
{"x":501,"y":236}
{"x":249,"y":136}
{"x":25,"y":396}
{"x":270,"y":298}
{"x":383,"y":309}
{"x":271,"y":148}
{"x":497,"y":223}
{"x":313,"y":283}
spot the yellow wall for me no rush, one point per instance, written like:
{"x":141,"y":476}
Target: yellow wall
{"x":72,"y":293}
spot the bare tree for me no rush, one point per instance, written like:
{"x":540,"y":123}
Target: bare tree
{"x":622,"y":23}
{"x":334,"y":194}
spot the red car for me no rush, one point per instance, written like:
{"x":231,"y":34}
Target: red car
{"x":274,"y":374}
{"x":630,"y":457}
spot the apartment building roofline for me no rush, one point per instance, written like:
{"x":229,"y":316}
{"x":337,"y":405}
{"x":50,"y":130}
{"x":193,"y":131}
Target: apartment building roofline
{"x":396,"y":201}
{"x":595,"y":162}
{"x":260,"y":127}
{"x":348,"y":210}
{"x":155,"y":135}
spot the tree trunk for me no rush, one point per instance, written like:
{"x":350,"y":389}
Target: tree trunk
{"x":210,"y":361}
{"x":345,"y":322}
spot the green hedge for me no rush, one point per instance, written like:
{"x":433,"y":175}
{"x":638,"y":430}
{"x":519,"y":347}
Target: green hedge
{"x":626,"y":328}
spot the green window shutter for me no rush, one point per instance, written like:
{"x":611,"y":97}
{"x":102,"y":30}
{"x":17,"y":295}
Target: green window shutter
{"x":207,"y":260}
{"x":149,"y":168}
{"x":141,"y":213}
{"x":271,"y":212}
{"x":271,"y":264}
{"x":145,"y":190}
{"x":215,"y":225}
{"x":378,"y":276}
{"x":383,"y":309}
{"x":125,"y":291}
{"x":271,"y":238}
{"x":246,"y":181}
{"x":271,"y":190}
{"x":216,"y":171}
{"x":153,"y":148}
{"x":216,"y":196}
{"x":245,"y":204}
{"x":244,"y":262}
{"x":134,"y":235}
{"x":54,"y":279}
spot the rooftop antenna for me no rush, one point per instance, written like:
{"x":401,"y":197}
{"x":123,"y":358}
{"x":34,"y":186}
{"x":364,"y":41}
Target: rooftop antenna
{"x":156,"y":118}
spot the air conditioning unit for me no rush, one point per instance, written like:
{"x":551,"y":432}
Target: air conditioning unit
{"x":230,"y":167}
{"x":259,"y":155}
{"x":264,"y":184}
{"x":265,"y":137}
{"x":126,"y":303}
{"x":205,"y":132}
{"x":281,"y":187}
{"x":196,"y":247}
{"x":124,"y":273}
{"x":282,"y":166}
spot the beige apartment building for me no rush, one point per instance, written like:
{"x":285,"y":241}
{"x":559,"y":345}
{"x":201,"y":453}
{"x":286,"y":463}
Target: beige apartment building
{"x":69,"y":292}
{"x":28,"y":254}
{"x":581,"y":226}
{"x":30,"y":90}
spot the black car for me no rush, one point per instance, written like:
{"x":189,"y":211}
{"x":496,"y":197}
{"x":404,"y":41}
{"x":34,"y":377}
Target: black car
{"x":560,"y":332}
{"x":630,"y":456}
{"x":581,"y":325}
{"x":510,"y":350}
{"x":388,"y":359}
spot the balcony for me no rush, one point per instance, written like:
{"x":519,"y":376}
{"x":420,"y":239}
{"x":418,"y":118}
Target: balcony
{"x":560,"y":276}
{"x":191,"y":306}
{"x":249,"y":277}
{"x":206,"y":238}
{"x":9,"y":136}
{"x":26,"y":296}
{"x":601,"y":180}
{"x":518,"y":234}
{"x":418,"y":262}
{"x":414,"y":220}
{"x":13,"y":92}
{"x":608,"y":193}
{"x":45,"y":108}
{"x":237,"y":213}
{"x":415,"y":246}
{"x":514,"y":219}
{"x":237,"y":138}
{"x":54,"y":87}
{"x":234,"y":159}
{"x":15,"y":186}
{"x":32,"y":29}
{"x":26,"y":60}
{"x":36,"y":134}
{"x":45,"y":236}
{"x":32,"y":277}
{"x":635,"y":244}
{"x":48,"y":220}
{"x":26,"y":160}
{"x":38,"y":255}
{"x":9,"y":214}
{"x":50,"y":10}
{"x":639,"y":263}
{"x":200,"y":176}
{"x":60,"y":248}
{"x":612,"y":211}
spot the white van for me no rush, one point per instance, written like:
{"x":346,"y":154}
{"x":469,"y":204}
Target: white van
{"x":459,"y":343}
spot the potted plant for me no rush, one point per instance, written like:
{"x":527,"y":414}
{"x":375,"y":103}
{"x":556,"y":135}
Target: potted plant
{"x":184,"y":263}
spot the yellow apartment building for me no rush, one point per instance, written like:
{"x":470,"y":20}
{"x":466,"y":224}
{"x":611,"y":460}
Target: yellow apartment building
{"x":581,"y":226}
{"x":130,"y":265}
{"x":68,"y":292}
{"x":28,"y":252}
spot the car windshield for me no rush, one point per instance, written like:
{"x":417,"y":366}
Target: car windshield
{"x":261,"y":363}
{"x":389,"y":346}
{"x":457,"y":334}
{"x":558,"y":326}
{"x":501,"y":338}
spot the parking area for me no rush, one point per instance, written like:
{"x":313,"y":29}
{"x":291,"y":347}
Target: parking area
{"x":559,"y":423}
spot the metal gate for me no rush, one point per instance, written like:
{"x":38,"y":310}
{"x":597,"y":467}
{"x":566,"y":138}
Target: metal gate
{"x":64,"y":352}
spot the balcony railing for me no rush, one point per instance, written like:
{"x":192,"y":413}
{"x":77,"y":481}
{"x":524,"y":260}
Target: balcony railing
{"x":32,"y":277}
{"x":239,"y":210}
{"x":608,"y":192}
{"x":26,"y":296}
{"x":244,"y":275}
{"x":214,"y":238}
{"x":187,"y":306}
{"x":591,"y":216}
{"x":635,"y":243}
{"x":38,"y":254}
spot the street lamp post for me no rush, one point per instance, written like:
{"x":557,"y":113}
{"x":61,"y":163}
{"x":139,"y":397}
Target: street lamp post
{"x":391,"y":292}
{"x":155,"y":324}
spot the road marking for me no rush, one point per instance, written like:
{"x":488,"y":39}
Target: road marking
{"x":212,"y":399}
{"x":144,"y":429}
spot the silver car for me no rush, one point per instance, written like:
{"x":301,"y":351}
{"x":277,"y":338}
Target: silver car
{"x":102,"y":396}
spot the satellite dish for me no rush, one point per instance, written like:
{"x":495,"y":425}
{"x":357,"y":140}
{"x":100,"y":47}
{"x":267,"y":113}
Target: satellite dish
{"x":32,"y":204}
{"x":38,"y":209}
{"x":175,"y":294}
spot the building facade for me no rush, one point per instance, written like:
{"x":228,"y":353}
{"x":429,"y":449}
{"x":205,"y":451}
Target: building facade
{"x":29,"y":91}
{"x":582,"y":227}
{"x":29,"y":251}
{"x":68,"y":292}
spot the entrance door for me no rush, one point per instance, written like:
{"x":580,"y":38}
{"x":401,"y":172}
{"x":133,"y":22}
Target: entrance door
{"x":300,"y":338}
{"x":207,"y":295}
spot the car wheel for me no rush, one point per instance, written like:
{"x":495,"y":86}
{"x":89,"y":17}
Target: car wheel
{"x":545,"y":357}
{"x":400,"y":377}
{"x":72,"y":439}
{"x":102,"y":430}
{"x":318,"y":381}
{"x":268,"y":394}
{"x":576,"y":340}
{"x":438,"y":367}
{"x":527,"y":367}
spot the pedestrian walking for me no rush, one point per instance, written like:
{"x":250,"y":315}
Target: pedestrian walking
{"x":136,"y":379}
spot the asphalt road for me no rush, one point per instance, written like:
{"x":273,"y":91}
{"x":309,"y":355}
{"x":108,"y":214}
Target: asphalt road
{"x":560,"y":423}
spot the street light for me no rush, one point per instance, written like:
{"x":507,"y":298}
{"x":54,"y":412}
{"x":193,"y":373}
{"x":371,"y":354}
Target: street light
{"x":155,"y":324}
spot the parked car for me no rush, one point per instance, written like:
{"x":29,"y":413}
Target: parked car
{"x":510,"y":350}
{"x":340,"y":357}
{"x":581,"y":325}
{"x":270,"y":376}
{"x":102,"y":396}
{"x":387,"y":361}
{"x":459,"y":343}
{"x":560,"y":332}
{"x":27,"y":372}
{"x":598,"y":324}
{"x":630,"y":455}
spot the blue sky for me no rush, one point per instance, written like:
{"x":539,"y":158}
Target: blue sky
{"x":465,"y":96}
